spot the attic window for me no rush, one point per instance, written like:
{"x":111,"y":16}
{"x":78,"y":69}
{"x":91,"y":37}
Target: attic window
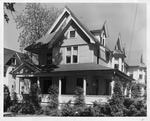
{"x":13,"y":60}
{"x":72,"y":33}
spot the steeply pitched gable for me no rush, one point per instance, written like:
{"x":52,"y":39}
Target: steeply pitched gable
{"x":8,"y":54}
{"x":60,"y":26}
{"x":118,"y":45}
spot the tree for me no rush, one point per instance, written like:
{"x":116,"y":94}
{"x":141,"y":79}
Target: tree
{"x":34,"y":21}
{"x":8,"y":7}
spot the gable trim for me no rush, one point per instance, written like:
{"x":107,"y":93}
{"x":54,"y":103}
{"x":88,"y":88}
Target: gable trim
{"x":21,"y":67}
{"x":79,"y":24}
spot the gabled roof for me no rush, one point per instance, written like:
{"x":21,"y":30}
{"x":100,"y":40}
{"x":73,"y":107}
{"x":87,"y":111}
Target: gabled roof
{"x":76,"y":20}
{"x":118,"y":45}
{"x":8,"y":53}
{"x":52,"y":36}
{"x":32,"y":68}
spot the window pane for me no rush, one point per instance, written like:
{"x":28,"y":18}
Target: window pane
{"x":49,"y":58}
{"x":69,"y":51}
{"x":131,"y":75}
{"x":140,"y":76}
{"x":68,"y":59}
{"x":72,"y":33}
{"x":75,"y":59}
{"x":75,"y":50}
{"x":116,"y":66}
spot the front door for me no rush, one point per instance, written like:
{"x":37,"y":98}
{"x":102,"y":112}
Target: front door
{"x":95,"y":87}
{"x":63,"y":86}
{"x":47,"y":82}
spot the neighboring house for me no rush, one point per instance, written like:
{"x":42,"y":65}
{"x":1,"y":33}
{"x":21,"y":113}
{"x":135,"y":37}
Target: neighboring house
{"x":12,"y":59}
{"x":137,"y":70}
{"x":71,"y":55}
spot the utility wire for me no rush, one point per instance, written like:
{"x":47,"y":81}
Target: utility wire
{"x":132,"y":31}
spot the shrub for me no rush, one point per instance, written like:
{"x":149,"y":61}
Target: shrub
{"x":7,"y":99}
{"x":52,"y":108}
{"x":30,"y":103}
{"x":136,"y":90}
{"x":14,"y":98}
{"x":67,"y":109}
{"x":79,"y":97}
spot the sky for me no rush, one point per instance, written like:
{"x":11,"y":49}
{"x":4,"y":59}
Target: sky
{"x":119,"y":18}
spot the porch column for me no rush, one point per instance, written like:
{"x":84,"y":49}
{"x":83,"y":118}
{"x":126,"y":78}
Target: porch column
{"x":112,"y":87}
{"x":84,"y":86}
{"x":112,"y":63}
{"x":125,"y":91}
{"x":38,"y":81}
{"x":59,"y":86}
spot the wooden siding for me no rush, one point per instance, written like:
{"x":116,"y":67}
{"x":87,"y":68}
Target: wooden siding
{"x":79,"y":39}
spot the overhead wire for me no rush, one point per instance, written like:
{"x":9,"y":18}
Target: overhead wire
{"x":132,"y":32}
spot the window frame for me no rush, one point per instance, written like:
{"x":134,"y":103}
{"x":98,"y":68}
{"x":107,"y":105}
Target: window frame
{"x":140,"y":76}
{"x":75,"y":33}
{"x":72,"y":55}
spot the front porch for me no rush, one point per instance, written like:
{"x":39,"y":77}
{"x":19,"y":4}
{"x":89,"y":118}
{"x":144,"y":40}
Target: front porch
{"x":97,"y":81}
{"x":96,"y":86}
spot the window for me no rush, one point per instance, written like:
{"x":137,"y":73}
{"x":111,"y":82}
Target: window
{"x":68,"y":55}
{"x":13,"y":60}
{"x":140,"y":76}
{"x":72,"y":33}
{"x":49,"y":58}
{"x":72,"y":55}
{"x":75,"y":54}
{"x":131,"y":75}
{"x":117,"y":66}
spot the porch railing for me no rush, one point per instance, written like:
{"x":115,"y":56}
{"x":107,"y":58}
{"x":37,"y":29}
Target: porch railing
{"x":65,"y":98}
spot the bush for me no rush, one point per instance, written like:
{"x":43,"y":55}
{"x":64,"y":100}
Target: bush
{"x":14,"y":98}
{"x":136,"y":90}
{"x":30,"y":103}
{"x":7,"y":99}
{"x":79,"y":97}
{"x":67,"y":109}
{"x":52,"y":108}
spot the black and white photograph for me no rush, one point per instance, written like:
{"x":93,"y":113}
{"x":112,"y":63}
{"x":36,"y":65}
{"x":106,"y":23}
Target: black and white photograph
{"x":74,"y":59}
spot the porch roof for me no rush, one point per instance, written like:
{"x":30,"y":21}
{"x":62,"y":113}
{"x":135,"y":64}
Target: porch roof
{"x":80,"y":67}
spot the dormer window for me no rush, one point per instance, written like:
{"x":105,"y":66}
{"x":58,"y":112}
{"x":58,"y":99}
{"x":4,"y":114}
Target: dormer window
{"x":102,"y":39}
{"x":116,"y":66}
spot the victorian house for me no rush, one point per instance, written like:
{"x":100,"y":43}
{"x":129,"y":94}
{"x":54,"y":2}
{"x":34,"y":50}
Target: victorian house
{"x":71,"y":55}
